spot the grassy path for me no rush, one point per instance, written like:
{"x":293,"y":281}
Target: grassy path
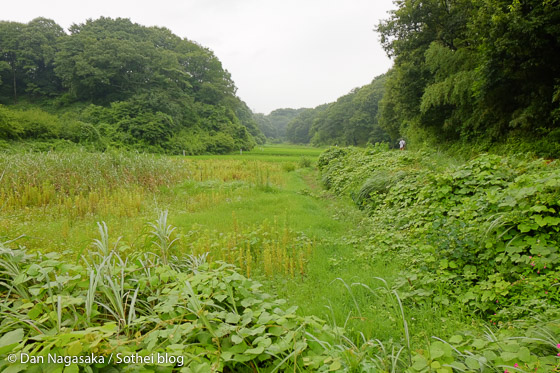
{"x":341,"y":283}
{"x":301,"y":204}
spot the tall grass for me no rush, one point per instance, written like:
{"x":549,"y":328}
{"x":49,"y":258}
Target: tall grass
{"x":268,"y":249}
{"x":68,"y":192}
{"x":80,"y":183}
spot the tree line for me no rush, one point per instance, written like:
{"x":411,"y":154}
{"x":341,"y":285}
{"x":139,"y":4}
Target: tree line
{"x":351,"y":120}
{"x":111,"y":82}
{"x":473,"y":75}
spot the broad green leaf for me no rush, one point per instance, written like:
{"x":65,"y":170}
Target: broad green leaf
{"x":472,"y":363}
{"x":490,"y":355}
{"x":35,"y":312}
{"x":336,"y":365}
{"x":236,"y":339}
{"x":16,"y":368}
{"x":436,"y":352}
{"x":524,"y":228}
{"x":72,"y":368}
{"x":256,"y":351}
{"x":276,"y":330}
{"x":456,"y":339}
{"x":420,"y":362}
{"x":10,"y":340}
{"x":74,"y":348}
{"x":479,"y":344}
{"x":508,"y":356}
{"x":524,"y":354}
{"x":232,"y":318}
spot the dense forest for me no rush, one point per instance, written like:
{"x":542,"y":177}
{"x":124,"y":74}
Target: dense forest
{"x":111,"y":82}
{"x":351,"y":120}
{"x":275,"y":124}
{"x":473,"y":75}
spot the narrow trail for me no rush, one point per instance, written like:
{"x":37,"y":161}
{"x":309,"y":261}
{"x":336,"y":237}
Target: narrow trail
{"x":334,"y":287}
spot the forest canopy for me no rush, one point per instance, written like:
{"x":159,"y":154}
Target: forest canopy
{"x":467,"y":74}
{"x":111,"y":82}
{"x":474,"y":73}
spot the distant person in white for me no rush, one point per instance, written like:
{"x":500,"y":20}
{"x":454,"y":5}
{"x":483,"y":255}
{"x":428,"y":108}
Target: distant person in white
{"x":402,"y":144}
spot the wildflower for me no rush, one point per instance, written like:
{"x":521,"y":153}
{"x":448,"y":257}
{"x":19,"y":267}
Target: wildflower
{"x":558,"y":346}
{"x":533,"y":264}
{"x":516,"y":365}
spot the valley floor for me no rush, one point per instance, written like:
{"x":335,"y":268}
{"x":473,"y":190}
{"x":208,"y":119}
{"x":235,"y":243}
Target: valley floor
{"x":265,"y":211}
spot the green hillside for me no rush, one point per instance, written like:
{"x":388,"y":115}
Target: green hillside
{"x":114,"y":83}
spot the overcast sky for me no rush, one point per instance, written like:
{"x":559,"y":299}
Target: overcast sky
{"x":280,"y":53}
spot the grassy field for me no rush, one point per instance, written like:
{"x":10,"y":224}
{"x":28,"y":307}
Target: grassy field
{"x":264,"y":211}
{"x":267,"y":202}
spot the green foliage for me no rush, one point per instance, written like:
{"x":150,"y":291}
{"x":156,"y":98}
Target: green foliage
{"x":472,"y":72}
{"x":484,"y":233}
{"x":478,"y":238}
{"x":274,"y":125}
{"x":351,"y":120}
{"x":205,"y":316}
{"x":149,"y":89}
{"x":118,"y":296}
{"x":496,"y":351}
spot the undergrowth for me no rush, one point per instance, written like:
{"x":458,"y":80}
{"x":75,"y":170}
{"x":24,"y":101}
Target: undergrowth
{"x":111,"y":311}
{"x":480,"y":238}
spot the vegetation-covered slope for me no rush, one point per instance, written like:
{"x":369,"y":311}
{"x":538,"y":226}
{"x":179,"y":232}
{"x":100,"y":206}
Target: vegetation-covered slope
{"x":113,"y":82}
{"x":476,"y":239}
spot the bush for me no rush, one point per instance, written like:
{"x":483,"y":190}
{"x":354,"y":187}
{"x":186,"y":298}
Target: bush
{"x":203,"y":315}
{"x":305,"y":162}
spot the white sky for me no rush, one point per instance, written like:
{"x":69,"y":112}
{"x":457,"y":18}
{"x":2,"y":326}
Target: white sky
{"x":280,"y":53}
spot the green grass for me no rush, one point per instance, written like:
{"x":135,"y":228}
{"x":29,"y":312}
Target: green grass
{"x":266,"y":187}
{"x":270,"y":153}
{"x":331,"y":222}
{"x":264,"y":211}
